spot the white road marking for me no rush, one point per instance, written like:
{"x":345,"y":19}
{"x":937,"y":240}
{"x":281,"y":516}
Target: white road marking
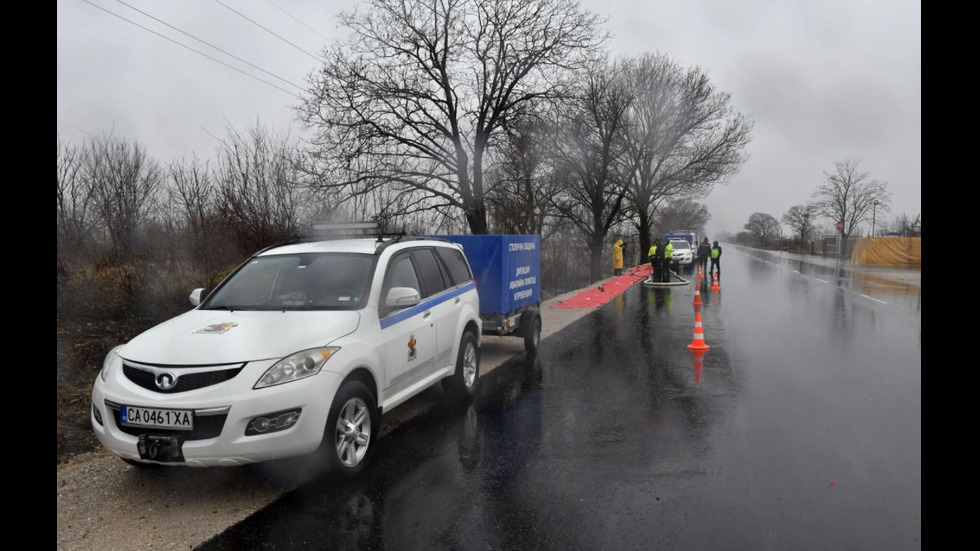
{"x":796,"y":271}
{"x":821,"y":280}
{"x":874,"y":299}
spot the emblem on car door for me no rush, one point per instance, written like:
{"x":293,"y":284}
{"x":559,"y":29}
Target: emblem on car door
{"x":412,"y":353}
{"x":165,"y":381}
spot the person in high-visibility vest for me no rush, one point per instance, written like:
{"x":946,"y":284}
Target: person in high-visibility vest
{"x":618,"y":257}
{"x":652,"y":256}
{"x":715,"y":260}
{"x":668,"y":261}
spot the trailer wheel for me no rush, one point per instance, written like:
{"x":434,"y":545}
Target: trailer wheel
{"x":531,"y":324}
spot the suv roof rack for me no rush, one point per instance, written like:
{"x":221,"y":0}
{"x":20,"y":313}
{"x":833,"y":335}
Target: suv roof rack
{"x":351,"y":230}
{"x":382,"y":245}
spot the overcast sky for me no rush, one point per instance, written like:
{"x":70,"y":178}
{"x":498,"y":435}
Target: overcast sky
{"x":823,"y":80}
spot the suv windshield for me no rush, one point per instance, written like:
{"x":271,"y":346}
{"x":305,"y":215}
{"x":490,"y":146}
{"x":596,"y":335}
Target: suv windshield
{"x":308,"y":281}
{"x":680,"y":244}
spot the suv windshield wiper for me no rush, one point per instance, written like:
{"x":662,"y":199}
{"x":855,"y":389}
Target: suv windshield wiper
{"x":229,"y":308}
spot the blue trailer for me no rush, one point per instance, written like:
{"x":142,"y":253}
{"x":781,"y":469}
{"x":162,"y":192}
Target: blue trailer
{"x":507,"y":269}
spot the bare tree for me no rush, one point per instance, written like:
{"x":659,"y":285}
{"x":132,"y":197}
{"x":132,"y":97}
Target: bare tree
{"x":762,"y":226}
{"x":800,"y":219}
{"x":849,"y":195}
{"x":259,"y":183}
{"x":417,"y":94}
{"x":522,"y":184}
{"x":195,"y":195}
{"x":683,"y":136}
{"x":683,"y":214}
{"x":75,"y":199}
{"x":587,"y":144}
{"x":125,"y":184}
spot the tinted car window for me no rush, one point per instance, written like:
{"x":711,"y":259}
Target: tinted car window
{"x":429,"y":268}
{"x":458,"y":268}
{"x":403,"y":274}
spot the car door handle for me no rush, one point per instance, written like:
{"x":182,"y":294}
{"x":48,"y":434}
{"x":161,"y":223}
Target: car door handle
{"x":457,"y":300}
{"x":427,"y":314}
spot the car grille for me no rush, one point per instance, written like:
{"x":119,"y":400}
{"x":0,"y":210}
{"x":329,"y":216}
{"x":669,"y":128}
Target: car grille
{"x":205,"y":426}
{"x":185,"y":382}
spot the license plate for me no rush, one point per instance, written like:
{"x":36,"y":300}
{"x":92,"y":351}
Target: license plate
{"x":179,"y":419}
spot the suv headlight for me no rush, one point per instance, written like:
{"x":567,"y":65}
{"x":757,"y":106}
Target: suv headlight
{"x":296,"y":366}
{"x":110,"y":360}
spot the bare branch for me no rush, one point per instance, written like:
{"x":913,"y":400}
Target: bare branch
{"x":424,"y":87}
{"x":849,"y":195}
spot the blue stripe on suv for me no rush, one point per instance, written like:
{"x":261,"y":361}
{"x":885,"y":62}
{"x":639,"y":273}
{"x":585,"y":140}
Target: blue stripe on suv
{"x":403,"y":315}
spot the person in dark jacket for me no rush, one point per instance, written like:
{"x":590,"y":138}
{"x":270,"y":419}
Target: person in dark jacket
{"x":656,"y":256}
{"x":704,"y":252}
{"x":716,"y":258}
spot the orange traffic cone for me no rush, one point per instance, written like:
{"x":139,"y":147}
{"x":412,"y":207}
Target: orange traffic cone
{"x":714,"y":286}
{"x":700,"y":277}
{"x":697,"y":343}
{"x":697,"y":295}
{"x":698,"y":357}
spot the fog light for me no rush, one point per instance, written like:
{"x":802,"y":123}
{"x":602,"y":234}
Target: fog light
{"x":261,"y":424}
{"x":287,"y":420}
{"x":97,"y":414}
{"x":272,"y":422}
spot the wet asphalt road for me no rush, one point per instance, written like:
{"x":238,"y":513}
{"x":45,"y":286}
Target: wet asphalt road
{"x":802,"y":430}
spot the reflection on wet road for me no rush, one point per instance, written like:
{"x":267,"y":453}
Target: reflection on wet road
{"x":799,"y":429}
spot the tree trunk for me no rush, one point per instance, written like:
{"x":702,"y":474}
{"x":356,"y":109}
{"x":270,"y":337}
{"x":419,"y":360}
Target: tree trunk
{"x":595,"y":264}
{"x":476,"y":217}
{"x":645,"y":224}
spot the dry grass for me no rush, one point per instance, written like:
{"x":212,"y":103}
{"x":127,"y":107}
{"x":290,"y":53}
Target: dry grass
{"x":99,"y":308}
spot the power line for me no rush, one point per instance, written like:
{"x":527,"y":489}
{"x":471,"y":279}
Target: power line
{"x":240,"y":14}
{"x":297,"y":20}
{"x":193,"y":50}
{"x":209,"y":44}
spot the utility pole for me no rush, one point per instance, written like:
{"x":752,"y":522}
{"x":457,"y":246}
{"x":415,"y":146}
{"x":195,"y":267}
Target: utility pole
{"x":873,"y":207}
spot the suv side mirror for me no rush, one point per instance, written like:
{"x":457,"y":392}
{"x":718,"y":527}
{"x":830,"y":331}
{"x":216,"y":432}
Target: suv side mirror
{"x":400,"y":297}
{"x":197,"y":295}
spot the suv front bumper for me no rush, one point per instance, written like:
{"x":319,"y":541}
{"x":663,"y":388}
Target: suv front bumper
{"x":221,"y":415}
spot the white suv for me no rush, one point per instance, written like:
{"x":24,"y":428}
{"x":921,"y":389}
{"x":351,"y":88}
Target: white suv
{"x":299,"y":351}
{"x":683,"y":255}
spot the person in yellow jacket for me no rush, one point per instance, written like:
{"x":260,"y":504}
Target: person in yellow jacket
{"x":668,"y":262}
{"x":618,"y":257}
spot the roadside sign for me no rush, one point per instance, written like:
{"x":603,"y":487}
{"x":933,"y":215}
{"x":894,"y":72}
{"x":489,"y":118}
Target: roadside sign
{"x":840,"y":225}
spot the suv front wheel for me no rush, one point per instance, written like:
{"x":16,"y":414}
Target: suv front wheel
{"x":461,"y":385}
{"x":351,"y":431}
